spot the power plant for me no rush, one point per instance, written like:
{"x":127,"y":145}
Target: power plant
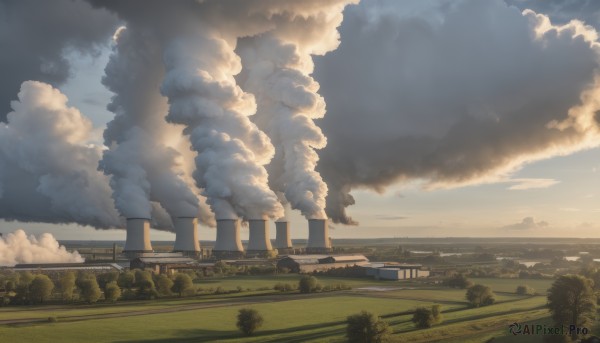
{"x":259,"y":243}
{"x":228,"y":243}
{"x":283,"y":241}
{"x":318,"y":237}
{"x":138,"y":236}
{"x":186,"y":235}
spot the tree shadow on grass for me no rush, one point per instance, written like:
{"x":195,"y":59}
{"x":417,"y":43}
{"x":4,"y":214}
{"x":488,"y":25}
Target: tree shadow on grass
{"x":298,"y":334}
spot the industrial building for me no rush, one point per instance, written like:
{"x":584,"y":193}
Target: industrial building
{"x":395,"y":271}
{"x":163,"y":263}
{"x":313,"y":263}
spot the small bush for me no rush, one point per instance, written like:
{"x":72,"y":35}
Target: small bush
{"x":525,"y":290}
{"x":308,"y":284}
{"x":52,"y":319}
{"x":249,"y":320}
{"x":365,"y":327}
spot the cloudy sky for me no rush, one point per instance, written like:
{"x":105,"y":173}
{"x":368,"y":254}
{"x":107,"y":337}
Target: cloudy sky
{"x":443,"y":118}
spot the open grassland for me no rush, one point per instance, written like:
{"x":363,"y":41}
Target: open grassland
{"x":290,"y":317}
{"x":509,"y":285}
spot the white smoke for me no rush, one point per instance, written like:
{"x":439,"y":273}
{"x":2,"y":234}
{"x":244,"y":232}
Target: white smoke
{"x":451,"y":93}
{"x":277,"y":71}
{"x":143,"y":161}
{"x":17,"y":247}
{"x":231,"y":150}
{"x":49,"y":165}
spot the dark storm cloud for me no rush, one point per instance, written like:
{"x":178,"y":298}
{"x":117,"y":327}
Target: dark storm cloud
{"x":449,"y":94}
{"x":35,"y":35}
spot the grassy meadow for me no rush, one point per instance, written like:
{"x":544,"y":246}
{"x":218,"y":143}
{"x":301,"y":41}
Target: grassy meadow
{"x":288,"y":317}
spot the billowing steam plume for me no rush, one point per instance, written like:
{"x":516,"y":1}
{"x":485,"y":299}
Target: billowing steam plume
{"x":48,"y":165}
{"x":279,"y":65}
{"x":17,"y":248}
{"x":451,"y":93}
{"x":143,"y":159}
{"x":36,"y":35}
{"x":231,"y":150}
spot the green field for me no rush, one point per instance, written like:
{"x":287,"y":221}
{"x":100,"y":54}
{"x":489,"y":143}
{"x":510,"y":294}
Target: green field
{"x":289,"y":317}
{"x":509,"y":285}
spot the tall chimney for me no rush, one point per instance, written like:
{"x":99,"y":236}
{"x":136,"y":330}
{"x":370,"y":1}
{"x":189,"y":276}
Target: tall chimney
{"x":282,"y":238}
{"x":318,"y":236}
{"x":138,"y":236}
{"x":259,"y":241}
{"x":186,"y":235}
{"x":228,"y":243}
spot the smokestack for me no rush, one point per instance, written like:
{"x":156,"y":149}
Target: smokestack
{"x":259,"y":241}
{"x":318,"y":236}
{"x":186,"y":235}
{"x":138,"y":236}
{"x":283,"y":240}
{"x":228,"y":243}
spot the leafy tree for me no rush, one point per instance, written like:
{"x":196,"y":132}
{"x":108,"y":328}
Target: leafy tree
{"x":106,"y":278}
{"x":40,"y":288}
{"x":112,"y":291}
{"x":182,"y":284}
{"x":249,"y":320}
{"x":571,"y":301}
{"x":436,"y":311}
{"x":426,"y":317}
{"x":10,"y":286}
{"x":66,"y":285}
{"x":22,"y":288}
{"x":126,"y":280}
{"x":480,"y":295}
{"x":308,"y":284}
{"x":366,"y":328}
{"x":525,"y":290}
{"x":89,"y":290}
{"x":458,"y":281}
{"x":164,"y":284}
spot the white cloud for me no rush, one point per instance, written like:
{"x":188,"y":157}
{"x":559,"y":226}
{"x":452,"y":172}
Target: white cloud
{"x":531,"y":183}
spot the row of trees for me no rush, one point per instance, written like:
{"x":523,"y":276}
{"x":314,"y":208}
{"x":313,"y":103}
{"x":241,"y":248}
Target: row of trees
{"x":26,"y":288}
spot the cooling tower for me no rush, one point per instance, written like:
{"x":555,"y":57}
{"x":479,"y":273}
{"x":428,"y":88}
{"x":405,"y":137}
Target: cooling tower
{"x":259,"y":236}
{"x":318,"y":236}
{"x":186,"y":235}
{"x":228,"y":243}
{"x":283,"y":239}
{"x":138,"y":236}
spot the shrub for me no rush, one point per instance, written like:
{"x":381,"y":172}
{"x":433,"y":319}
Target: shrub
{"x":112,"y":292}
{"x":307,"y":284}
{"x":182,"y":284}
{"x":426,"y":317}
{"x":52,"y":319}
{"x":458,"y":281}
{"x":248,"y":321}
{"x":525,"y":290}
{"x":480,"y":295}
{"x":366,"y":328}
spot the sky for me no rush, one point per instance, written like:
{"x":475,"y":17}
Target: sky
{"x":537,"y":184}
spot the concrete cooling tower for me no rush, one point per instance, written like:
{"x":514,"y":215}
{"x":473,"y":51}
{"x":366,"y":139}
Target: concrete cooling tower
{"x":228,"y":243}
{"x":259,"y":243}
{"x":283,"y":241}
{"x":186,"y":235}
{"x":138,"y":236}
{"x":318,"y":237}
